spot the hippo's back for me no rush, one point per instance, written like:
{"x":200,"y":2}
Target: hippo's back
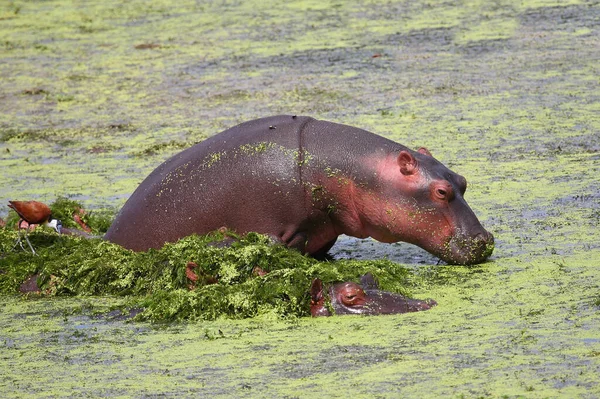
{"x":246,"y":178}
{"x":252,"y":177}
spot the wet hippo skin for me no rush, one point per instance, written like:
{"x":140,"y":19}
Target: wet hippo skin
{"x":304,"y":182}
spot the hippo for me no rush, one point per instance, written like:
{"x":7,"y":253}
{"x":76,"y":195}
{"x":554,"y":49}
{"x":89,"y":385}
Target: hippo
{"x":304,"y":182}
{"x":366,"y":298}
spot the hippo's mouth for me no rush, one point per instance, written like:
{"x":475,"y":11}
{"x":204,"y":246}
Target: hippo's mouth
{"x":461,"y":250}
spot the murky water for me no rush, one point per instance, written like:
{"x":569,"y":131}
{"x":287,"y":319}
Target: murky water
{"x":503,"y":93}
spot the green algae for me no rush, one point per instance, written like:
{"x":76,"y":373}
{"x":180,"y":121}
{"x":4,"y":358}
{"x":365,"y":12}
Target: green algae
{"x":504,"y":93}
{"x":158,"y":280}
{"x":257,"y":148}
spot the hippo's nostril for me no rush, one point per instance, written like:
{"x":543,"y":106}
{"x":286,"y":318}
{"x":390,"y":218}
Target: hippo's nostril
{"x":485,"y":244}
{"x":469,"y":250}
{"x":484,"y":238}
{"x":480,"y":243}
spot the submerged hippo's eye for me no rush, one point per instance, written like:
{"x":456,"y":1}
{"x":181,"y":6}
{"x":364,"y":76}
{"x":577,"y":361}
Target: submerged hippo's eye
{"x":351,"y":294}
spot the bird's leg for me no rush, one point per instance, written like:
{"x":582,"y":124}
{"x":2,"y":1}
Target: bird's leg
{"x":19,"y":241}
{"x":27,"y":239}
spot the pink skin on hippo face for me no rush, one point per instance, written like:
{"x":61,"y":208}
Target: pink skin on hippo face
{"x":427,"y":208}
{"x":418,"y":200}
{"x":304,"y":182}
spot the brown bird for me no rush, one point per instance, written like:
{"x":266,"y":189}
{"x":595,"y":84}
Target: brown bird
{"x":33,"y":212}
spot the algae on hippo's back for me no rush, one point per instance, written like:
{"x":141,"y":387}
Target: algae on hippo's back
{"x":256,"y":148}
{"x":213,"y":158}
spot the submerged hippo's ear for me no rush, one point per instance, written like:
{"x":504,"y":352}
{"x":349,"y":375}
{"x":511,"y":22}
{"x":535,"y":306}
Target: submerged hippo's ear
{"x":316,"y":290}
{"x":369,"y":282}
{"x":407,"y":163}
{"x":424,"y":151}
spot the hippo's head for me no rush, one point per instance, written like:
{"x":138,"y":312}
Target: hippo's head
{"x":366,"y":298}
{"x":416,"y":199}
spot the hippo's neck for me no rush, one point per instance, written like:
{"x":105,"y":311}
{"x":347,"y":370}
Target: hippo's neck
{"x":343,"y":209}
{"x":350,"y":194}
{"x":341,"y":172}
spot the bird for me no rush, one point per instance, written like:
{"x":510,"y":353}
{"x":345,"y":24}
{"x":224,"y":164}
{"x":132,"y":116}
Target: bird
{"x":33,"y":212}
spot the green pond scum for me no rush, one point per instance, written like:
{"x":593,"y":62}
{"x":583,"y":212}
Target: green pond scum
{"x":157,"y":281}
{"x":95,"y":95}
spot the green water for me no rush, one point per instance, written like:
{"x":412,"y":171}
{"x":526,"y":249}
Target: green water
{"x":95,"y":95}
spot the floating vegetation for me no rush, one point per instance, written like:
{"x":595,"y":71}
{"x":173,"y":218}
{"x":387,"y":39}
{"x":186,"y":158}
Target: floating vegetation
{"x":199,"y":277}
{"x":504,"y":93}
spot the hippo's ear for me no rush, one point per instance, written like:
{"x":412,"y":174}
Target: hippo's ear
{"x":424,"y":151}
{"x":316,"y":290}
{"x":369,"y":282}
{"x":407,"y":163}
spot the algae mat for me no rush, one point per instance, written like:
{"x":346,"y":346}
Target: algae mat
{"x":94,"y":95}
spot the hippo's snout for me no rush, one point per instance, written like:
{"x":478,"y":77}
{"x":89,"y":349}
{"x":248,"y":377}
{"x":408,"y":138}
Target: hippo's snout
{"x":420,"y":305}
{"x":469,"y":250}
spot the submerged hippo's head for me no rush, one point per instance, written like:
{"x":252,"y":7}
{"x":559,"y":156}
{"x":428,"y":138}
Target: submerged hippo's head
{"x":366,"y":298}
{"x":416,"y":199}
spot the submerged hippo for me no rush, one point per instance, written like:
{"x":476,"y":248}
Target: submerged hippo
{"x":304,"y":182}
{"x":366,"y":298}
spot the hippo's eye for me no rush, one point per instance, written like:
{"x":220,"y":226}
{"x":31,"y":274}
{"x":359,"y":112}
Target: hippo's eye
{"x":352,"y":294}
{"x":442,"y":191}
